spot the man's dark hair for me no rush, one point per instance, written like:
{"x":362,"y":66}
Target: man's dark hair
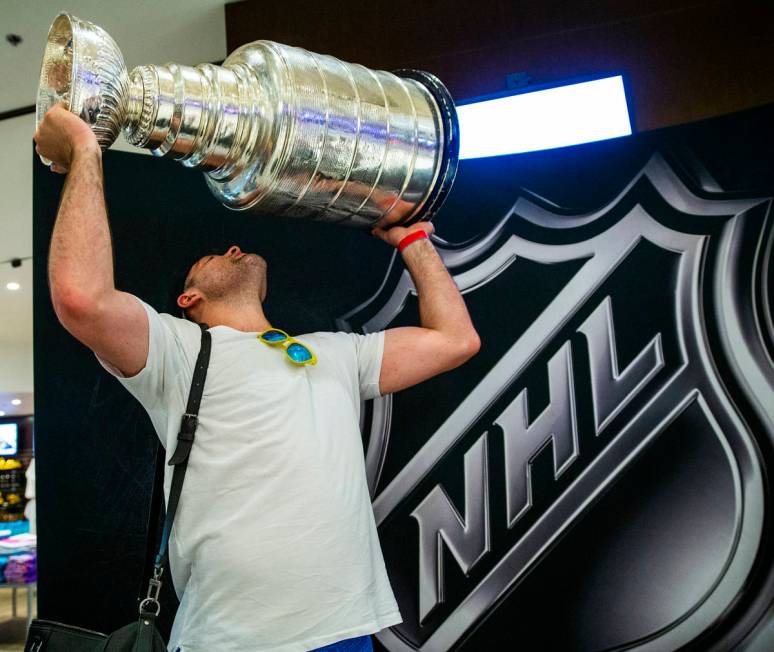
{"x":178,"y":281}
{"x":177,"y":287}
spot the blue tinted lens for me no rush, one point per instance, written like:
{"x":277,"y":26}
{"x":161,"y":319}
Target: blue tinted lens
{"x":273,"y":336}
{"x":299,"y":353}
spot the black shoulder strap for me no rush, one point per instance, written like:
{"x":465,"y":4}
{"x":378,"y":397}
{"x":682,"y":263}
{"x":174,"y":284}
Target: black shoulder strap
{"x":179,"y":460}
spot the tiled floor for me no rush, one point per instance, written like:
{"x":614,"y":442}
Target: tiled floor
{"x":13,"y":630}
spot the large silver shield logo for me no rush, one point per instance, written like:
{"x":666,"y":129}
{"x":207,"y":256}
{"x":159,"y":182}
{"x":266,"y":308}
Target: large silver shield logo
{"x":710,"y":356}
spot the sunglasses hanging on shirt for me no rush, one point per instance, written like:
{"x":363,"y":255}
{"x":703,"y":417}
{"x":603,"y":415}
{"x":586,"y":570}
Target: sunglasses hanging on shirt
{"x":296,"y":352}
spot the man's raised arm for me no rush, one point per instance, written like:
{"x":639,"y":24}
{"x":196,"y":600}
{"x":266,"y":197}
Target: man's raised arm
{"x":446,"y":337}
{"x":80,"y":264}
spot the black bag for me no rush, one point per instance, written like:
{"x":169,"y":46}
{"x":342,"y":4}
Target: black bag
{"x":142,"y":635}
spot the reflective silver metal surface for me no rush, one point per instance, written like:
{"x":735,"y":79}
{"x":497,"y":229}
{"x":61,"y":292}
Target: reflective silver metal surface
{"x":277,"y":129}
{"x":83,"y":67}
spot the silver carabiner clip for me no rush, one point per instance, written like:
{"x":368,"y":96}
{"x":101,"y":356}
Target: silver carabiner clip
{"x":151,"y":605}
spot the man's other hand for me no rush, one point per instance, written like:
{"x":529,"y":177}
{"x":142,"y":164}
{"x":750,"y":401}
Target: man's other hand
{"x":394,"y":235}
{"x":61,"y":135}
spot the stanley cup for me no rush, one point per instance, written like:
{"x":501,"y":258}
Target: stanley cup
{"x":276,"y":129}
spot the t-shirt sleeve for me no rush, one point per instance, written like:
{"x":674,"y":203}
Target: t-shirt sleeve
{"x":369,"y":350}
{"x":155,"y":386}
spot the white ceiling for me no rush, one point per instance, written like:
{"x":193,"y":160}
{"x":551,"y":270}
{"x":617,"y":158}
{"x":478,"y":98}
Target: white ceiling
{"x":15,"y":214}
{"x":15,"y":306}
{"x":146,"y":31}
{"x":184,"y":31}
{"x":8,"y":409}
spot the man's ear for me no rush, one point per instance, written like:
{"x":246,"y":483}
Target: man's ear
{"x":189,"y":298}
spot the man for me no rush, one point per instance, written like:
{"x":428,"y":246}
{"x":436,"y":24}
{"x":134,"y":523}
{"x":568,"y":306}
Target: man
{"x":274,"y":545}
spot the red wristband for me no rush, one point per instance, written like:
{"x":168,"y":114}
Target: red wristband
{"x":411,"y":237}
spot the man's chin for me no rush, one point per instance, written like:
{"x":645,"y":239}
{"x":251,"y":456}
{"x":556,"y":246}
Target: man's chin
{"x":254,"y":260}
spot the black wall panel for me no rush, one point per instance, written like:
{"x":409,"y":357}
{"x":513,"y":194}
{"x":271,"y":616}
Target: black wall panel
{"x":634,"y":562}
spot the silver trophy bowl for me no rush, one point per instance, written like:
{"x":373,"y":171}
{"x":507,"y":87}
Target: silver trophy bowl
{"x":83,"y":67}
{"x":276,"y":129}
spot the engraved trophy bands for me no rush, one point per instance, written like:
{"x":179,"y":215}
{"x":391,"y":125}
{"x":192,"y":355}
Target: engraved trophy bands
{"x":276,"y":129}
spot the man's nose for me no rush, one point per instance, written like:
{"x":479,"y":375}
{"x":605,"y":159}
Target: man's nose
{"x":233,"y":251}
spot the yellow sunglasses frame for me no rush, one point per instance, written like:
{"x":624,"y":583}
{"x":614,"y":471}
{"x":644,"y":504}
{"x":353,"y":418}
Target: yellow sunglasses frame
{"x":285,"y":344}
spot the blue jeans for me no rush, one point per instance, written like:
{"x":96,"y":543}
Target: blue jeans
{"x":359,"y":644}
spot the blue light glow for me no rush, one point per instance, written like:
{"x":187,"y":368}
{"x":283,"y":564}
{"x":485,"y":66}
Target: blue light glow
{"x":545,"y":119}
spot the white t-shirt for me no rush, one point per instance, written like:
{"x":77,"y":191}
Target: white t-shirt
{"x":274,"y":545}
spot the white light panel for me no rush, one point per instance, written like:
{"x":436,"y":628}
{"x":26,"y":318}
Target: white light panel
{"x":545,"y":119}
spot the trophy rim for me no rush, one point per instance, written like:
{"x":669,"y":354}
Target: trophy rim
{"x":98,"y":79}
{"x":450,"y":152}
{"x":43,"y":101}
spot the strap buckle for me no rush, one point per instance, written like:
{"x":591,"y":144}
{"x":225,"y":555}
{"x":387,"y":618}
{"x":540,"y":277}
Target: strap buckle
{"x":188,"y":424}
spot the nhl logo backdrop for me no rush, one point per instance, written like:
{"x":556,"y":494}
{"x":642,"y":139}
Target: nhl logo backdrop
{"x":596,"y":478}
{"x":616,"y":429}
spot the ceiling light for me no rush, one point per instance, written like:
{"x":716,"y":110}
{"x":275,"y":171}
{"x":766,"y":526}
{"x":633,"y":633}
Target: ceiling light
{"x":16,"y":401}
{"x":544,"y":119}
{"x":12,"y":285}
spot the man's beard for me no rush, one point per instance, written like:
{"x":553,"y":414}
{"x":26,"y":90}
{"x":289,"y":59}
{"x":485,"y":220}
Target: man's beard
{"x":238,"y":283}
